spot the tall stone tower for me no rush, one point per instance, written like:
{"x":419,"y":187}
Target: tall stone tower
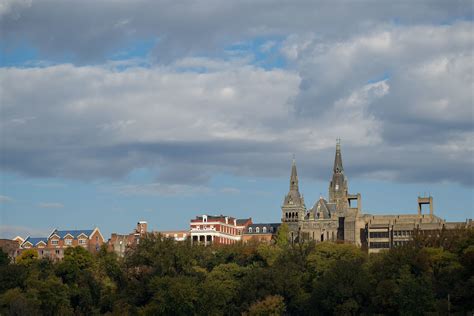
{"x":293,"y":208}
{"x":338,"y":189}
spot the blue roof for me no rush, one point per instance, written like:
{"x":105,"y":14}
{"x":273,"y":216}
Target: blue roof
{"x":74,"y":233}
{"x":35,"y":240}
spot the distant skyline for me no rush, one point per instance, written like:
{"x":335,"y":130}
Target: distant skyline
{"x":116,"y":111}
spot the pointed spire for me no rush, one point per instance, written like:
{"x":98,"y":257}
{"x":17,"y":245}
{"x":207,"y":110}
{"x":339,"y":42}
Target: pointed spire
{"x":338,"y":168}
{"x":294,"y":176}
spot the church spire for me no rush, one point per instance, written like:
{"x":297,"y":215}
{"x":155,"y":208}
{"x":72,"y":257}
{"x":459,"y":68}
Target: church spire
{"x":338,"y":168}
{"x":294,"y":176}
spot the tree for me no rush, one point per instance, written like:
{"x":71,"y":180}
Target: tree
{"x":272,"y":305}
{"x":172,"y":296}
{"x":28,"y":257}
{"x":4,"y":258}
{"x":282,"y":235}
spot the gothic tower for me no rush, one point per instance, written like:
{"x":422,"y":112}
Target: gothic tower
{"x":293,"y":208}
{"x":338,"y":191}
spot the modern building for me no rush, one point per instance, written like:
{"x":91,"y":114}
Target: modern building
{"x":340,"y":218}
{"x":220,"y":230}
{"x":54,"y":245}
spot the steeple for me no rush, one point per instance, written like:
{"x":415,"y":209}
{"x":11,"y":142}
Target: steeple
{"x":294,"y":176}
{"x":338,"y":168}
{"x":293,"y":208}
{"x":338,"y":190}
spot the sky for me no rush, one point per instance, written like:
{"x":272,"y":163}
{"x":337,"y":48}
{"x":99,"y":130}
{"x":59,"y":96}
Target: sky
{"x":117,"y":111}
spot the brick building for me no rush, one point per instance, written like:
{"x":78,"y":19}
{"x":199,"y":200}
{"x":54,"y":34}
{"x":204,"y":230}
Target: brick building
{"x":262,"y":232}
{"x":54,"y":245}
{"x":120,"y":243}
{"x":220,"y":230}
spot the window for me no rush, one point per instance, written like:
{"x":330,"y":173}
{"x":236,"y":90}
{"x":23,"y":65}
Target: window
{"x":378,"y":234}
{"x":264,"y":229}
{"x":54,"y":242}
{"x":379,"y":245}
{"x":257,"y":230}
{"x":82,"y":241}
{"x":68,"y":242}
{"x":250,"y":229}
{"x":58,"y":251}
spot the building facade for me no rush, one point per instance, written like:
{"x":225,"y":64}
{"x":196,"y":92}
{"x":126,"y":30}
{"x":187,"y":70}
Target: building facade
{"x":120,"y":243}
{"x":340,"y":218}
{"x":219,"y":230}
{"x":262,"y":232}
{"x":54,"y":245}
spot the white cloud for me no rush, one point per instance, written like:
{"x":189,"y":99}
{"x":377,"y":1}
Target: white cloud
{"x":160,"y":189}
{"x":4,"y":199}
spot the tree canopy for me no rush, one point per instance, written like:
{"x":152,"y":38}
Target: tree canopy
{"x":164,"y":277}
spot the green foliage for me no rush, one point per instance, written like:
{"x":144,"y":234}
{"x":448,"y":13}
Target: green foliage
{"x":4,"y":258}
{"x":272,"y":305}
{"x":282,"y":235}
{"x":162,"y":277}
{"x":27,"y":257}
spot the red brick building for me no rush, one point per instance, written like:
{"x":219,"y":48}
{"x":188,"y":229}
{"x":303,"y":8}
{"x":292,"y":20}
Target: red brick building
{"x":54,"y":245}
{"x":220,"y":230}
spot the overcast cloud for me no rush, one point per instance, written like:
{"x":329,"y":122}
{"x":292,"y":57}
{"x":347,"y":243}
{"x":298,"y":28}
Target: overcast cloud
{"x":394,"y":82}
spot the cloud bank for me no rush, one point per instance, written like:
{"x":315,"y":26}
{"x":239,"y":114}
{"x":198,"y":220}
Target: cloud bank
{"x":394,"y":82}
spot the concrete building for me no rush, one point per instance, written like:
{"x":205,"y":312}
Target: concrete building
{"x":340,"y":218}
{"x":223,"y":230}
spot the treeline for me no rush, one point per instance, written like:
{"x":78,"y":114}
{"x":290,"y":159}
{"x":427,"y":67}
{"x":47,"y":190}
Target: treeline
{"x":431,"y":275}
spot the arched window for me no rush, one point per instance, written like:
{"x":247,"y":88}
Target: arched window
{"x":264,"y":229}
{"x":257,"y":230}
{"x":250,"y":229}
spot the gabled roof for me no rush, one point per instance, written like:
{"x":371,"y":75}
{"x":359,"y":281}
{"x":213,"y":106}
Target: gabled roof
{"x":73,"y":233}
{"x":35,"y":240}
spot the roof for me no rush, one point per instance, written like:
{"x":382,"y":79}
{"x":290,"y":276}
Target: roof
{"x":243,"y":221}
{"x":35,"y":240}
{"x":73,"y":233}
{"x":270,"y":228}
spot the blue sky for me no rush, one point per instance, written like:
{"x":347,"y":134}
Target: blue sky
{"x":113,"y":112}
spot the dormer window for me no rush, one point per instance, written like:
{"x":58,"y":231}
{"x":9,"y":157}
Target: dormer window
{"x":54,"y":242}
{"x":257,"y":230}
{"x":264,"y":230}
{"x":250,"y":229}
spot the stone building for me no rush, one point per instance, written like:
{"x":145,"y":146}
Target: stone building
{"x":340,"y":218}
{"x":333,"y":219}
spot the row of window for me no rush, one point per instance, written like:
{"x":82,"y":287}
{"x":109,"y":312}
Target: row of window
{"x":257,"y":230}
{"x":378,"y":234}
{"x":402,"y":233}
{"x":379,"y":245}
{"x":68,"y":242}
